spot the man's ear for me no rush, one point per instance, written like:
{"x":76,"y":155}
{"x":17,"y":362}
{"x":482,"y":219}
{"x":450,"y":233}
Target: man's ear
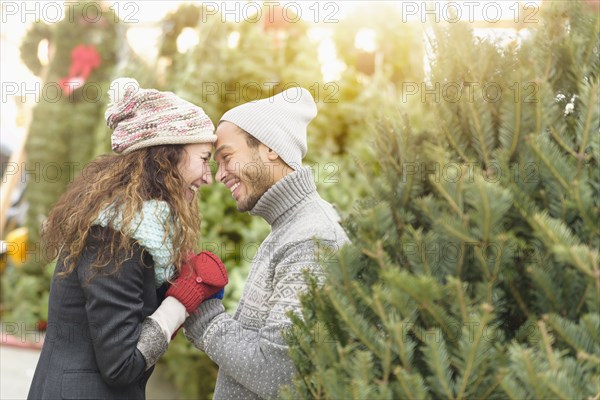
{"x":272,"y":155}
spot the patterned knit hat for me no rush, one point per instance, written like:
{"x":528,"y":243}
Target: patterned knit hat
{"x":146,"y":117}
{"x":279,"y":122}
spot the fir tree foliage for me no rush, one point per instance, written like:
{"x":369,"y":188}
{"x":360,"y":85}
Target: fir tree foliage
{"x":473,"y":270}
{"x":63,"y":137}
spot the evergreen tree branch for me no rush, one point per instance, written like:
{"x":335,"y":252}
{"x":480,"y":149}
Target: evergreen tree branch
{"x":408,"y":186}
{"x":378,"y":255}
{"x":457,"y":285}
{"x":546,"y":285}
{"x":446,"y":196}
{"x":355,"y":322}
{"x":513,"y":389}
{"x":486,"y":394}
{"x":582,"y":300}
{"x":582,"y":355}
{"x":592,"y":103}
{"x":373,"y":301}
{"x":589,"y":220}
{"x":461,"y":261}
{"x":412,"y":385}
{"x":589,"y":51}
{"x":573,"y":334}
{"x":533,"y":377}
{"x":564,"y":241}
{"x":405,"y":344}
{"x":415,"y":287}
{"x":417,"y":236}
{"x":591,"y":322}
{"x":436,"y":357}
{"x":485,"y":272}
{"x":518,"y":299}
{"x":547,"y":344}
{"x":516,"y":130}
{"x":501,"y":240}
{"x":480,"y":135}
{"x":453,"y":143}
{"x":557,"y":390}
{"x":395,"y":327}
{"x":485,"y":206}
{"x":549,"y":164}
{"x":538,"y":105}
{"x":561,"y":142}
{"x":473,"y":350}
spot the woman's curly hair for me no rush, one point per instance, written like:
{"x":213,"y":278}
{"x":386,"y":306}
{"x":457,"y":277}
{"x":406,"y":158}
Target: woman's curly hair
{"x":124,"y":181}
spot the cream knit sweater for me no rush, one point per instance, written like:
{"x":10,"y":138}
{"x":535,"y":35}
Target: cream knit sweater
{"x":248,"y":347}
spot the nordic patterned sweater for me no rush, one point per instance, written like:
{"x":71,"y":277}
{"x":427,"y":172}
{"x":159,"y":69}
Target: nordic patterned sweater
{"x":248,"y":347}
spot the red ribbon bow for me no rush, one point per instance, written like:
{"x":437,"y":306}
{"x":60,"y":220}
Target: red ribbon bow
{"x":84,"y":59}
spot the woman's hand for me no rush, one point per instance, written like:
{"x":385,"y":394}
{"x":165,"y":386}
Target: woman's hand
{"x":202,"y":276}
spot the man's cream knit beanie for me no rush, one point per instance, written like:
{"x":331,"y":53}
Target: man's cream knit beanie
{"x":279,"y":122}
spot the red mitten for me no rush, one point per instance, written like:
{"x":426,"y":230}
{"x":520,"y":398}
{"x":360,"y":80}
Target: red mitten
{"x":201,"y":276}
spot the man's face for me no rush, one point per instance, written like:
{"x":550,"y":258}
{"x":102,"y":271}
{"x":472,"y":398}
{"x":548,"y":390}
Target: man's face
{"x":240,"y":167}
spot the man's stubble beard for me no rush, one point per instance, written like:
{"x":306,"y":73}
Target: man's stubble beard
{"x":256,"y":183}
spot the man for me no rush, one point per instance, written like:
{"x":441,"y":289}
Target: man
{"x":259,"y":151}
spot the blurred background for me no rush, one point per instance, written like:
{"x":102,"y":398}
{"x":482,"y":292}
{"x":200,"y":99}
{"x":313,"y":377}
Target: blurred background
{"x":358,"y":59}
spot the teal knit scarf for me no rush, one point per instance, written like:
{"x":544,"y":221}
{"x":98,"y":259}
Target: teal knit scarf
{"x":148,"y":229}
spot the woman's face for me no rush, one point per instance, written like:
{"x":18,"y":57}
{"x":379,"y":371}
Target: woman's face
{"x":194,"y":167}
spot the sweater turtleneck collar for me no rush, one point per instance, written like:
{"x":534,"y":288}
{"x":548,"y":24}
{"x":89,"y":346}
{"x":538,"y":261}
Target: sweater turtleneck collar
{"x":284,"y":195}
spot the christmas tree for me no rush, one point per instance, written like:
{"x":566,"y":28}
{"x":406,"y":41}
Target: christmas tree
{"x":473,"y":270}
{"x":82,"y":54}
{"x":87,"y":48}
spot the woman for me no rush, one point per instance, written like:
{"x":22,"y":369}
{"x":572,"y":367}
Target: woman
{"x":121,"y":232}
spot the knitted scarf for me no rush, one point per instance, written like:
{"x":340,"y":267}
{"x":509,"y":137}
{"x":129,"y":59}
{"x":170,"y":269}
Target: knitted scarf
{"x":148,"y":229}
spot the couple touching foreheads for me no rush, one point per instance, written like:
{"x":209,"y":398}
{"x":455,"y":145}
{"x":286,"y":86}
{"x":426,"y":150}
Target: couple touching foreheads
{"x":127,"y":276}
